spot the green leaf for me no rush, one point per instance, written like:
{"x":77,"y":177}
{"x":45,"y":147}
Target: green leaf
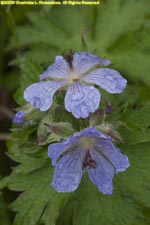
{"x":116,"y":19}
{"x":4,"y":217}
{"x":26,"y":151}
{"x":30,"y":72}
{"x":40,"y":202}
{"x":95,"y":208}
{"x":3,"y":182}
{"x":137,"y":180}
{"x":139,"y":118}
{"x":122,"y":34}
{"x":39,"y":199}
{"x":134,"y":136}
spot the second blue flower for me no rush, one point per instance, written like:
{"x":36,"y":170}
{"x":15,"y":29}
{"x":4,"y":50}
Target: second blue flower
{"x":89,"y":150}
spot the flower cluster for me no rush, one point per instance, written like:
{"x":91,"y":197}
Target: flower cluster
{"x":88,"y":150}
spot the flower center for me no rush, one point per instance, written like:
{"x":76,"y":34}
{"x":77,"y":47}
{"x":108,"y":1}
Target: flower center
{"x":86,"y":143}
{"x":74,"y":77}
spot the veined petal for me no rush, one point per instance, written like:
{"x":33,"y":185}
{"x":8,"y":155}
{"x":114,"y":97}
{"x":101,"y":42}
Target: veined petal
{"x":103,"y":174}
{"x":68,"y":172}
{"x":57,"y":149}
{"x":118,"y":160}
{"x":83,"y":61}
{"x":94,"y":133}
{"x":59,"y":69}
{"x":40,"y":95}
{"x":108,"y":79}
{"x":81,"y":100}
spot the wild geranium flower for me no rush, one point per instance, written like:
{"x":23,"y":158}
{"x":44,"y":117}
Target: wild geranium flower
{"x":19,"y":118}
{"x":76,"y":71}
{"x":88,"y":150}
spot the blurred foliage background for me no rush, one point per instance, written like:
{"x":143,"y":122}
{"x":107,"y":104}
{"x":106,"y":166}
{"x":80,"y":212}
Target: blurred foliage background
{"x":31,"y":37}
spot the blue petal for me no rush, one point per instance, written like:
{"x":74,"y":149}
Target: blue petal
{"x":94,"y":133}
{"x":68,"y":172}
{"x":114,"y":156}
{"x":81,"y":100}
{"x":57,"y":149}
{"x":108,"y":79}
{"x":83,"y":61}
{"x":40,"y":95}
{"x":19,"y":118}
{"x":59,"y":69}
{"x":103,"y":174}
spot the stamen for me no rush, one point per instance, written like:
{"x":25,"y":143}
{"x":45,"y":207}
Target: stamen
{"x":69,"y":58}
{"x":89,"y":162}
